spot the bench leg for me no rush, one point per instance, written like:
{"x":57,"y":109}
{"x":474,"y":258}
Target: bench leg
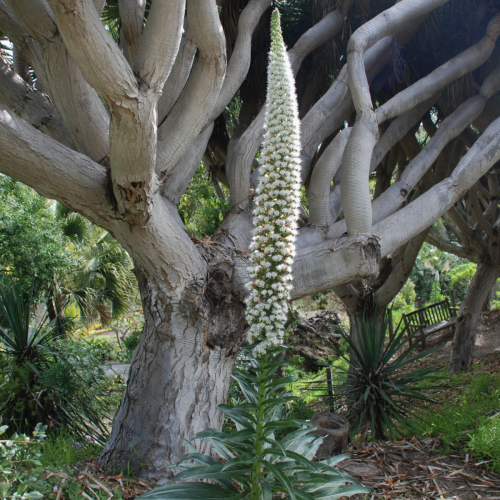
{"x":422,"y":339}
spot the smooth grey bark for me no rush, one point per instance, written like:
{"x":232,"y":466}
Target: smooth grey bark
{"x":462,"y":355}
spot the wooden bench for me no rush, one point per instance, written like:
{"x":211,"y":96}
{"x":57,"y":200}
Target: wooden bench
{"x":429,"y":320}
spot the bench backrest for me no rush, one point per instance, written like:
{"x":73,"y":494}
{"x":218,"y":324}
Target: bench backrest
{"x":428,"y":316}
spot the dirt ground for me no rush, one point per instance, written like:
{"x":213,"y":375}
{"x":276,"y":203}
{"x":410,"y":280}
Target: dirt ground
{"x":415,"y":469}
{"x":487,"y":340}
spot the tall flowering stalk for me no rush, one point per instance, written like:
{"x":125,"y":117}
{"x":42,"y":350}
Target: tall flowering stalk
{"x":277,"y":203}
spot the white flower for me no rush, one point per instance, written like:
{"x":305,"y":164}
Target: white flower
{"x":277,"y":203}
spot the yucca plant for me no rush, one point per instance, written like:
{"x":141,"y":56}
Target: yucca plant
{"x":376,"y":388}
{"x":47,"y":379}
{"x":251,"y":463}
{"x":22,"y":337}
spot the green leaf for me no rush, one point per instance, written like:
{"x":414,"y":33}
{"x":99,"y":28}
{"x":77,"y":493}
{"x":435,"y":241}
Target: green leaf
{"x":190,"y":491}
{"x":281,"y":477}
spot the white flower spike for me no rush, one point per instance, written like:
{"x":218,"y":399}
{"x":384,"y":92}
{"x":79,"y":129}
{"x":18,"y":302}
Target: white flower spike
{"x":277,"y":203}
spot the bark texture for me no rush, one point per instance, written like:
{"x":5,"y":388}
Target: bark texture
{"x":179,"y":373}
{"x":462,"y":355}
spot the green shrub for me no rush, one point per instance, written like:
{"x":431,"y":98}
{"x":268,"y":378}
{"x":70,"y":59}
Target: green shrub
{"x":18,"y":456}
{"x":405,"y":298}
{"x":131,"y":342}
{"x":103,"y":349}
{"x":61,"y":451}
{"x":485,"y":442}
{"x":46,"y":379}
{"x":254,"y":464}
{"x":462,"y":421}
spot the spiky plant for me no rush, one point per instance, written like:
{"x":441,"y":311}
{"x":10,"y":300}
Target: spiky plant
{"x":376,"y":386}
{"x":277,"y":203}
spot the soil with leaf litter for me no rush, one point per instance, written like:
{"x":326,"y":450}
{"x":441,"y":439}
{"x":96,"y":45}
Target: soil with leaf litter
{"x":395,"y":470}
{"x":413,"y":470}
{"x":92,"y":482}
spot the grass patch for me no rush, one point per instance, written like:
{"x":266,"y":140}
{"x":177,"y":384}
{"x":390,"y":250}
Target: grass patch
{"x":463,"y":417}
{"x":62,"y":450}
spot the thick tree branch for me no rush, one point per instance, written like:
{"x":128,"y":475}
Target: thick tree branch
{"x":79,"y":105}
{"x":435,"y":239}
{"x":131,"y":18}
{"x":400,"y":227}
{"x":179,"y":75}
{"x":159,"y":44}
{"x":321,"y":179}
{"x":179,"y":178}
{"x":401,"y":268}
{"x":21,"y":66}
{"x":31,"y":105}
{"x":477,"y":213}
{"x":97,"y":55}
{"x":426,"y":87}
{"x":319,"y":34}
{"x":187,"y":119}
{"x":357,"y":156}
{"x":239,"y":63}
{"x":52,"y":169}
{"x":392,"y":199}
{"x":398,"y":129}
{"x":317,"y":269}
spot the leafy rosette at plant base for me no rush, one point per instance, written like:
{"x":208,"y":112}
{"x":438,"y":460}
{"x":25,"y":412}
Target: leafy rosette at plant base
{"x":252,"y":463}
{"x":377,"y":387}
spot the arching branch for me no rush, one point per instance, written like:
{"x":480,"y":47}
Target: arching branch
{"x":460,"y":65}
{"x":435,"y":239}
{"x":359,"y":149}
{"x":431,"y":205}
{"x":321,"y":179}
{"x":54,"y":170}
{"x":78,"y":103}
{"x":187,"y":119}
{"x":32,"y":105}
{"x":239,"y":63}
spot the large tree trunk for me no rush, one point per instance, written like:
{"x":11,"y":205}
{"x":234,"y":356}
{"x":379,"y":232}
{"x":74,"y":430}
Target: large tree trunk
{"x":469,"y":314}
{"x":179,"y":373}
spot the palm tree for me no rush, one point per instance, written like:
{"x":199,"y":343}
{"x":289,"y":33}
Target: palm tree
{"x":101,"y":282}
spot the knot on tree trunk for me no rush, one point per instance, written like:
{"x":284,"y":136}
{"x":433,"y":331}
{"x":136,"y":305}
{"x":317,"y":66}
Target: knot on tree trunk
{"x":219,"y":299}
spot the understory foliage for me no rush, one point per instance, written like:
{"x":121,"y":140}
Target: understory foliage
{"x":251,"y":462}
{"x":45,"y":378}
{"x":466,"y":417}
{"x":376,"y":388}
{"x":200,"y":208}
{"x":100,"y":282}
{"x":19,"y":453}
{"x":277,"y":203}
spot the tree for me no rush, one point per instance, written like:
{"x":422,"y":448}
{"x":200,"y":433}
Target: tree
{"x":472,"y":232}
{"x":127,"y":124}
